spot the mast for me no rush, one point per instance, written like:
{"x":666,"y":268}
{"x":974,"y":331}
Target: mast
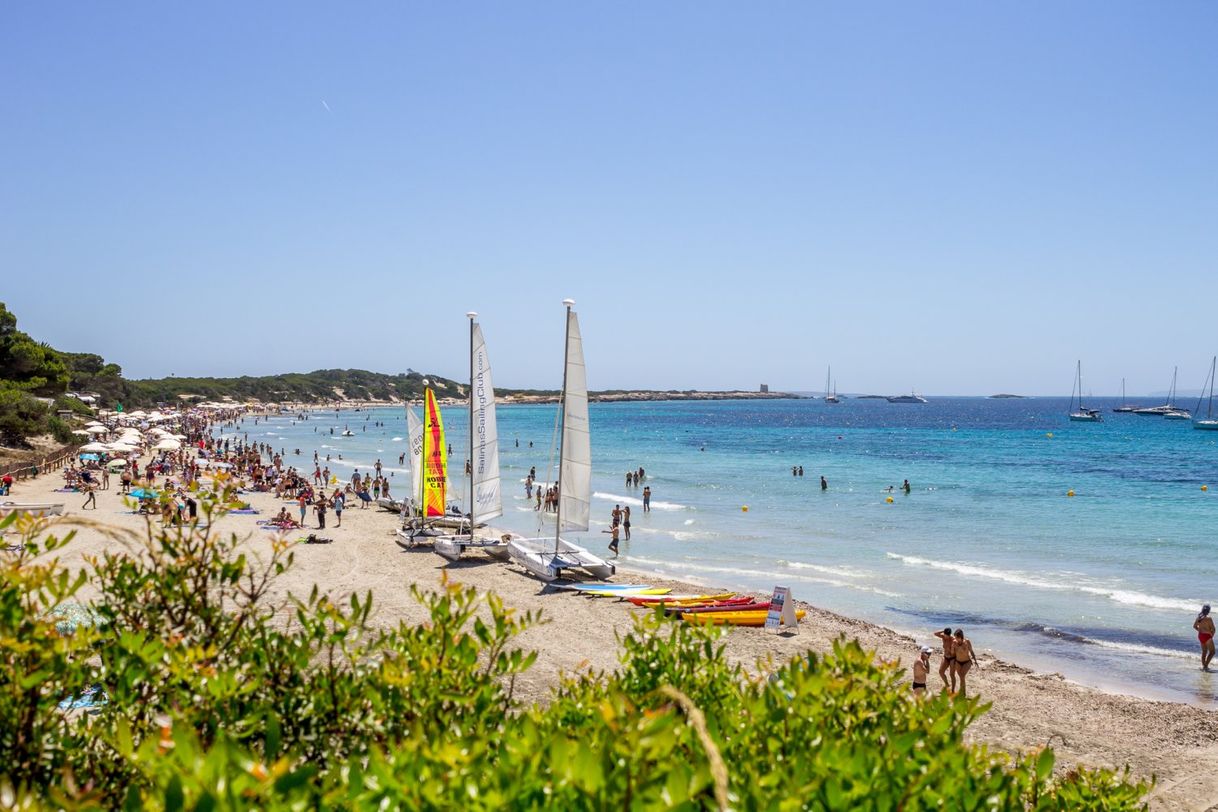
{"x":471,"y":315}
{"x":423,"y":459}
{"x":566,"y":351}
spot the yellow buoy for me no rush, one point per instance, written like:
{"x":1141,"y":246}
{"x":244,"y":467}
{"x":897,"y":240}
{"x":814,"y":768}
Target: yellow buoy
{"x":1069,"y":493}
{"x":1049,"y":434}
{"x":888,"y":500}
{"x":1205,"y":487}
{"x":744,"y":508}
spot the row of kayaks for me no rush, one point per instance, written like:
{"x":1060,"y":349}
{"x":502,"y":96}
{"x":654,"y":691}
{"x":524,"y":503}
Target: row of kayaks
{"x":718,"y":609}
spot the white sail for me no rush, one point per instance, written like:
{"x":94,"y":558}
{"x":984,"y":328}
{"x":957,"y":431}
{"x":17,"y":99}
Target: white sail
{"x":575,"y":489}
{"x":488,"y":502}
{"x":414,"y":435}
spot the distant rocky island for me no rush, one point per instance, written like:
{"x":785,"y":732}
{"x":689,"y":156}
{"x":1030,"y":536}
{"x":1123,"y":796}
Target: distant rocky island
{"x":1004,"y":395}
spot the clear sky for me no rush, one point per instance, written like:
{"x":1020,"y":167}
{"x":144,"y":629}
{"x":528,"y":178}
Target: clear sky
{"x":959,"y":197}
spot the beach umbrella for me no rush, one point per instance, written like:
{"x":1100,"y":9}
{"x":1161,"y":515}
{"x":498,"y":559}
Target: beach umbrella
{"x":121,"y":448}
{"x":167,"y":445}
{"x":97,"y":430}
{"x":116,"y":463}
{"x":95,"y":423}
{"x":80,"y":431}
{"x":95,"y":447}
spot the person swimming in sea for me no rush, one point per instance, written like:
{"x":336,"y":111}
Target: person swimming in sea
{"x":1204,"y":626}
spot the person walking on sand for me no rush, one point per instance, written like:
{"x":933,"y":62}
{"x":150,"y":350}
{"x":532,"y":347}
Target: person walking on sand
{"x":338,"y":506}
{"x":92,"y":496}
{"x":965,"y":659}
{"x":921,"y":667}
{"x":948,"y":666}
{"x":320,"y":510}
{"x":1204,"y":626}
{"x":303,"y":502}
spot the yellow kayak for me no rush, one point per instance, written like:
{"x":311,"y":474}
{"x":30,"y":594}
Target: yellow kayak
{"x":677,"y":600}
{"x":626,"y":593}
{"x":749,"y":618}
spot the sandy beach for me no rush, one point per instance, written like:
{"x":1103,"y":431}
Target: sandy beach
{"x":1176,"y":743}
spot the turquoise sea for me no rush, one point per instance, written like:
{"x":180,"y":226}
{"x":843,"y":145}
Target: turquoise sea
{"x":1102,"y":587}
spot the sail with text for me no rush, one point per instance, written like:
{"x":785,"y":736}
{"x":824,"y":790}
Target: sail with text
{"x":434,"y":459}
{"x":488,"y":501}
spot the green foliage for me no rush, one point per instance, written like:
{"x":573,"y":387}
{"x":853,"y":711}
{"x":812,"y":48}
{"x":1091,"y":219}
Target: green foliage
{"x":21,"y":416}
{"x":26,"y":364}
{"x":219,"y":698}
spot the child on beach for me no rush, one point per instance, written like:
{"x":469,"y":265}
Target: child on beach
{"x":921,"y":668}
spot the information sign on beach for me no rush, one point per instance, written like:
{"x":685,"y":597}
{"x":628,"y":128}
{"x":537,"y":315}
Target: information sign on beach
{"x":782,"y":611}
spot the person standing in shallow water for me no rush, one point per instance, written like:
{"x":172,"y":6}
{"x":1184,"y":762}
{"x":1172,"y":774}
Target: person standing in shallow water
{"x":646,"y":498}
{"x":1204,"y":626}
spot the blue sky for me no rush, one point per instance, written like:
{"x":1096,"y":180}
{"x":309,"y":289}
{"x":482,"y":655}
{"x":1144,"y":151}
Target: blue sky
{"x":962,"y":198}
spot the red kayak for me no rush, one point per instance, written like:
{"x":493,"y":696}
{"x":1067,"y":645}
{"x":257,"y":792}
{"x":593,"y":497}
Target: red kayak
{"x":735,"y":607}
{"x":656,"y":600}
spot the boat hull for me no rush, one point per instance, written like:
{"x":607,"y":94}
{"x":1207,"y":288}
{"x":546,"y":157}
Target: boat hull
{"x":541,"y":560}
{"x":1206,"y":425}
{"x":32,"y":508}
{"x":453,"y":547}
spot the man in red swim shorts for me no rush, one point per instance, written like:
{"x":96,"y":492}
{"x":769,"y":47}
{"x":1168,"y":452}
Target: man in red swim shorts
{"x":1204,"y":624}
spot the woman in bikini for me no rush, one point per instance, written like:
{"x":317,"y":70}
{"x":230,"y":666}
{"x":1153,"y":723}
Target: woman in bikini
{"x":949,"y":658}
{"x":1204,"y":626}
{"x":965,"y":659}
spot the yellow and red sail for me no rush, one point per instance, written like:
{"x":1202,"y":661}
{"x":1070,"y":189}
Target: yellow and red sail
{"x":435,"y":458}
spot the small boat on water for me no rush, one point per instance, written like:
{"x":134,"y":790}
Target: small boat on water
{"x":1208,"y":423}
{"x":1178,"y":414}
{"x":830,"y":397}
{"x":912,"y":397}
{"x":1124,"y":408}
{"x":1082,"y":414}
{"x":32,"y":508}
{"x":1166,"y":408}
{"x":551,"y":559}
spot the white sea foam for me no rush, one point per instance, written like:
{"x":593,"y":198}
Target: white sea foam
{"x":685,"y":566}
{"x":396,"y":440}
{"x":688,"y":522}
{"x":1151,"y":650}
{"x":637,"y":502}
{"x":1023,"y":579}
{"x":843,"y":572}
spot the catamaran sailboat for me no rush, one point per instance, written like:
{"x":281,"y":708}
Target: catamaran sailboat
{"x":1082,"y":414}
{"x":429,"y":475}
{"x":485,"y":499}
{"x":546,"y":558}
{"x":1209,"y":423}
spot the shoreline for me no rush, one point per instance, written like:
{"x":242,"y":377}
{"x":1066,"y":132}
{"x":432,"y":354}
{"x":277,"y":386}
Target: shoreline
{"x":1176,"y":741}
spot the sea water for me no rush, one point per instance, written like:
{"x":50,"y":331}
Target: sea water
{"x":1101,"y":586}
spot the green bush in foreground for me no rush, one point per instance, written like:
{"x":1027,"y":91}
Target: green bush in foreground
{"x":218,"y":699}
